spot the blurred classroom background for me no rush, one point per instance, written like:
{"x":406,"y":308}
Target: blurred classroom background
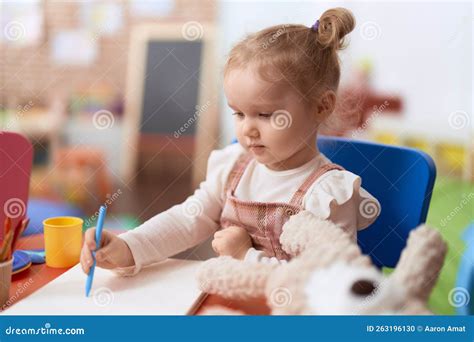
{"x":83,"y":80}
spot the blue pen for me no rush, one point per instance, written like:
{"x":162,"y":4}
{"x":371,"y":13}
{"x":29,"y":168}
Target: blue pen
{"x":98,"y":236}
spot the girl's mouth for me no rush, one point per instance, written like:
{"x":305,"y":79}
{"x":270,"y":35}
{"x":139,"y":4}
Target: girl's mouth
{"x":257,"y":149}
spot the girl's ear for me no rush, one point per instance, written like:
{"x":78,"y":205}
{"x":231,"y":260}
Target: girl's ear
{"x":325,"y":105}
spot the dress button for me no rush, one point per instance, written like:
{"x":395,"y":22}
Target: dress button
{"x":289,"y":212}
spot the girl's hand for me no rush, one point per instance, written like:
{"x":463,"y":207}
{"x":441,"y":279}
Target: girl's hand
{"x":233,"y":241}
{"x":113,"y":252}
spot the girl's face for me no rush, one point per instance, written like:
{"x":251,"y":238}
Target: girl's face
{"x":271,"y":120}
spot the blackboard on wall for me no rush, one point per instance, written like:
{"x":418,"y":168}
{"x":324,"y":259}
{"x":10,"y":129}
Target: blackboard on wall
{"x":171,"y":87}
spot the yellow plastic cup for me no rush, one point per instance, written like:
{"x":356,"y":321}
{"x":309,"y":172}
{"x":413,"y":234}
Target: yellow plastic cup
{"x":62,"y":241}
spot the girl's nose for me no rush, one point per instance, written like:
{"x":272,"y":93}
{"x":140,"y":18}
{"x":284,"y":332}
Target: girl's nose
{"x":250,"y":129}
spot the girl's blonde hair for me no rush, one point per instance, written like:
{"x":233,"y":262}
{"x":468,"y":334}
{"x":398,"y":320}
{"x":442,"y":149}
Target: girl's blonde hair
{"x":305,"y":57}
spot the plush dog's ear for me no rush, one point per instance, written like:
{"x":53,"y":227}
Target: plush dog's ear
{"x":304,"y":229}
{"x":231,"y":278}
{"x":421,"y":262}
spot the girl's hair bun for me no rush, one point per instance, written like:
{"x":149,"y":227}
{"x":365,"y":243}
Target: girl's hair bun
{"x":333,"y":26}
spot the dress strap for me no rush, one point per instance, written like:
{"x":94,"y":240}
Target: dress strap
{"x":237,"y":172}
{"x":300,"y":193}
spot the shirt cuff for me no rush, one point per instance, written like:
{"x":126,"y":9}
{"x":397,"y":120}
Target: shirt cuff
{"x":139,"y":254}
{"x":129,"y":271}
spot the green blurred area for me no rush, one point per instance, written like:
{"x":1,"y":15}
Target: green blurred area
{"x":448,"y":195}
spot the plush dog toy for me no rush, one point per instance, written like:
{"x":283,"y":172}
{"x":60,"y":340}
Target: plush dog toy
{"x":328,"y":274}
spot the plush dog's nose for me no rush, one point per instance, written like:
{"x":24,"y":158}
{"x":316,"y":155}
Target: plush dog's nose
{"x":363,"y":287}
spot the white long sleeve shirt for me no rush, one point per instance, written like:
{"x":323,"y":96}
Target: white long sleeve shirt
{"x":337,"y":195}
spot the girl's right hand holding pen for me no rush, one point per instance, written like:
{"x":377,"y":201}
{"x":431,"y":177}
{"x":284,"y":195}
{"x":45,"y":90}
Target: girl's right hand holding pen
{"x":113,"y":251}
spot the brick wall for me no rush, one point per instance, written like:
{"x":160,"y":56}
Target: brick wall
{"x":28,"y":73}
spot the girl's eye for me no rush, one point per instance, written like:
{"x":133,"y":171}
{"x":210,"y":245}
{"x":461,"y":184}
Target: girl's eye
{"x":265,"y":115}
{"x":238,"y":114}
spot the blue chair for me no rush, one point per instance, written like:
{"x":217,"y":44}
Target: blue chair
{"x":400,"y":178}
{"x":41,"y":209}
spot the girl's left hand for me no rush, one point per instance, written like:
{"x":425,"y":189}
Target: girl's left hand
{"x":233,"y":241}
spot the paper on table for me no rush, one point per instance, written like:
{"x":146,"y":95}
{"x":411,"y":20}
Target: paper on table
{"x":167,"y":288}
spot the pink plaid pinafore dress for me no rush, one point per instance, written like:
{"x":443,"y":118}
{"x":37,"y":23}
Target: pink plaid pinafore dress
{"x":264,"y":221}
